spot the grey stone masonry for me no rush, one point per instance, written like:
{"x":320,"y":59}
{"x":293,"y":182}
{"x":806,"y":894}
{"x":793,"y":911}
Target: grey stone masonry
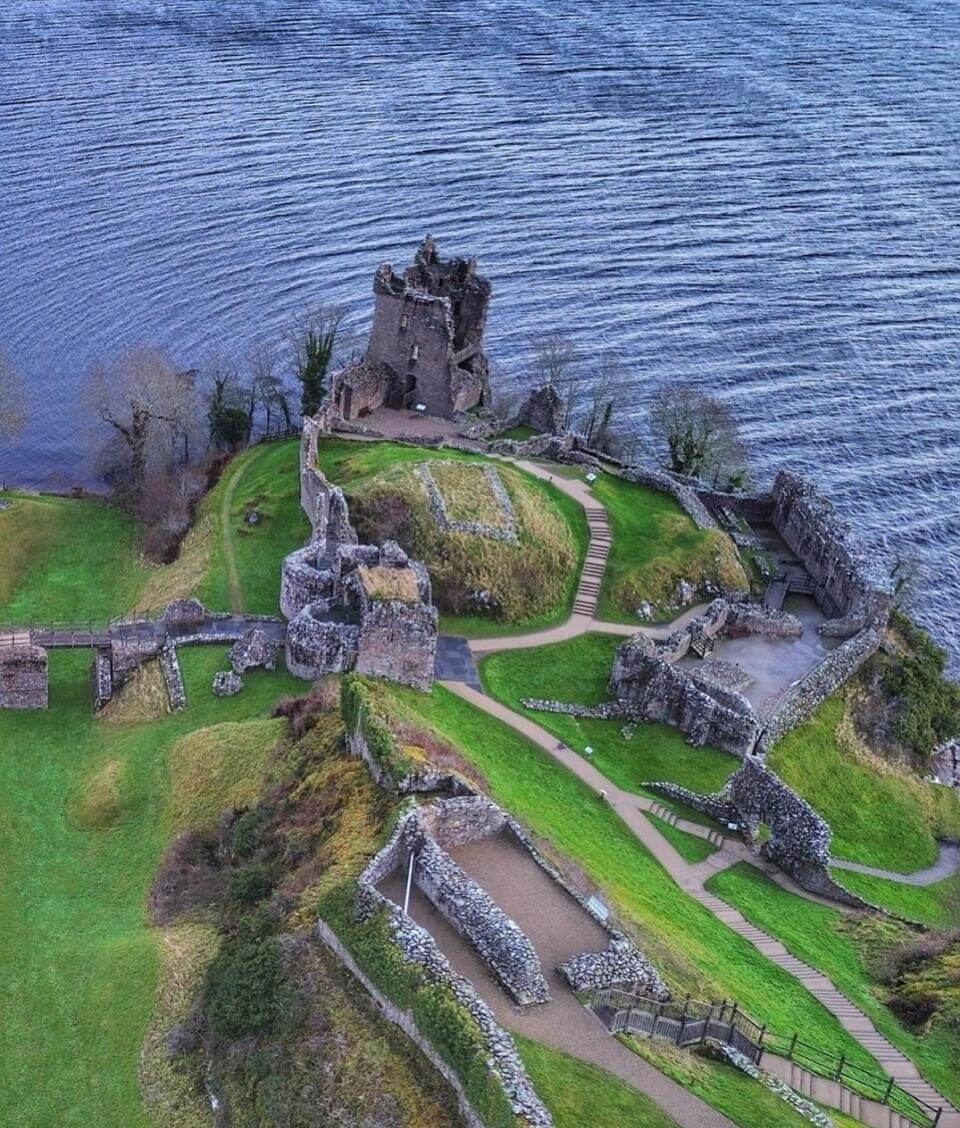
{"x":811,"y":691}
{"x":799,"y":841}
{"x":473,"y":913}
{"x":226,"y":683}
{"x":102,"y":678}
{"x":620,"y":965}
{"x":23,"y":677}
{"x":255,"y":650}
{"x":173,"y":677}
{"x":850,"y":583}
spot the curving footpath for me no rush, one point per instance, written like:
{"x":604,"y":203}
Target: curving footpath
{"x":947,"y":864}
{"x":633,"y":810}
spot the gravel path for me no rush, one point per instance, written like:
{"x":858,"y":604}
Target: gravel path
{"x":947,"y":864}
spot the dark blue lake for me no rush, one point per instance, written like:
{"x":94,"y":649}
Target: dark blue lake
{"x":761,"y":197}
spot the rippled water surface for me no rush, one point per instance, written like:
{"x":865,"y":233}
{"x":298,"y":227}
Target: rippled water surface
{"x":762,"y":197}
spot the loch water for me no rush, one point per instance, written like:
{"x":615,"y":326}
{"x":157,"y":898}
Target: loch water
{"x":762,"y":198}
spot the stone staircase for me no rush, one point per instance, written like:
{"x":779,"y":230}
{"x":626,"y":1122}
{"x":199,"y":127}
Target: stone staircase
{"x":588,"y":591}
{"x":851,"y":1018}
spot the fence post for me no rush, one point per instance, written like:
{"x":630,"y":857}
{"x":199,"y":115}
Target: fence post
{"x":793,"y":1046}
{"x":886,"y":1095}
{"x":763,"y":1031}
{"x":843,"y":1062}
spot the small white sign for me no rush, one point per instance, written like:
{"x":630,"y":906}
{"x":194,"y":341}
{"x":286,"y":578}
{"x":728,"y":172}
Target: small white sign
{"x":421,"y":407}
{"x":591,"y":477}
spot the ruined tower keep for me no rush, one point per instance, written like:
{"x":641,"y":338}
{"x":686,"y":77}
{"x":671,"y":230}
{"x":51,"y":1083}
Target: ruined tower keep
{"x":426,"y":342}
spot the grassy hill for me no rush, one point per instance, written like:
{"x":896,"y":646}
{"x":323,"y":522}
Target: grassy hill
{"x":483,"y":586}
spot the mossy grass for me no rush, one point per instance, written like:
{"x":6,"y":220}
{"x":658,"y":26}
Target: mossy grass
{"x":696,"y":952}
{"x":937,"y":904}
{"x":880,"y":814}
{"x":577,"y":671}
{"x":690,"y":847}
{"x":86,"y":815}
{"x":67,"y":559}
{"x":527,"y":585}
{"x":825,"y":939}
{"x":580,"y":1095}
{"x":745,"y":1101}
{"x":655,"y":545}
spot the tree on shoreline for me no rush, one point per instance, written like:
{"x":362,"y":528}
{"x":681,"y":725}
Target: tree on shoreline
{"x":313,"y":341}
{"x":701,"y":436}
{"x":12,"y":408}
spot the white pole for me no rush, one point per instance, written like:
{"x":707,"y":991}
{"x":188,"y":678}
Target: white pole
{"x":406,"y":899}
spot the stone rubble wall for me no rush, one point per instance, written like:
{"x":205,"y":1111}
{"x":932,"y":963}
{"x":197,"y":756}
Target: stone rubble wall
{"x":102,"y":678}
{"x":647,"y":687}
{"x":24,"y":678}
{"x":304,"y":579}
{"x":477,"y":917}
{"x":850,"y":583}
{"x":173,"y":677}
{"x":398,"y":641}
{"x":507,"y":532}
{"x":756,"y":619}
{"x":945,"y":764}
{"x":814,"y":688}
{"x":620,"y":965}
{"x":254,"y":651}
{"x":316,"y":647}
{"x":799,"y":840}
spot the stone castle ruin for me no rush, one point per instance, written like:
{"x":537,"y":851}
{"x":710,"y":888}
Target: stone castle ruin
{"x":23,"y":677}
{"x":426,"y":343}
{"x":799,"y":839}
{"x":353,"y":606}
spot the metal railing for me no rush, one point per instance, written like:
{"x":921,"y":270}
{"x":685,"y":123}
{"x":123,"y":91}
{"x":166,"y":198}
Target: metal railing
{"x":690,"y":1022}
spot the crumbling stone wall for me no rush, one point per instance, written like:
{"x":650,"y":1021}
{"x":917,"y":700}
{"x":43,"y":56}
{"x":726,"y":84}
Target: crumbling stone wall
{"x":173,"y":677}
{"x":799,"y":840}
{"x":850,"y":584}
{"x":803,"y":699}
{"x":544,"y":410}
{"x":506,"y":532}
{"x":426,"y":341}
{"x":648,"y":687}
{"x":398,"y":641}
{"x":24,"y":677}
{"x":619,"y":965}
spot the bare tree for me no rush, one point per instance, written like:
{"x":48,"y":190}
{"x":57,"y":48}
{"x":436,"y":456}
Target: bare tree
{"x":12,"y":408}
{"x":556,"y":361}
{"x":701,"y":436}
{"x":610,"y":375}
{"x":269,"y":388}
{"x":147,"y":403}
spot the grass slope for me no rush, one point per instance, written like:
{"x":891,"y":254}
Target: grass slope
{"x":880,"y":815}
{"x":536,"y":582}
{"x":66,"y":559}
{"x":695,"y":951}
{"x":937,"y":904}
{"x":656,"y":544}
{"x":582,"y":1096}
{"x":85,"y":816}
{"x":691,"y":848}
{"x":578,"y":671}
{"x":813,"y":933}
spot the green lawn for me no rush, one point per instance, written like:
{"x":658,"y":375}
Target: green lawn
{"x":695,"y":951}
{"x":690,"y":847}
{"x":577,"y":671}
{"x":64,"y":559}
{"x":244,"y":570}
{"x":656,"y":544}
{"x":812,"y":933}
{"x":745,"y":1101}
{"x":520,"y":433}
{"x":582,"y":1096}
{"x":880,"y":815}
{"x":352,"y":464}
{"x":937,"y":904}
{"x":85,"y":812}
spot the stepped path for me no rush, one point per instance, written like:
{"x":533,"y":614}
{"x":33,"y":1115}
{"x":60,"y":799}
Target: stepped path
{"x":634,"y":809}
{"x":585,"y":604}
